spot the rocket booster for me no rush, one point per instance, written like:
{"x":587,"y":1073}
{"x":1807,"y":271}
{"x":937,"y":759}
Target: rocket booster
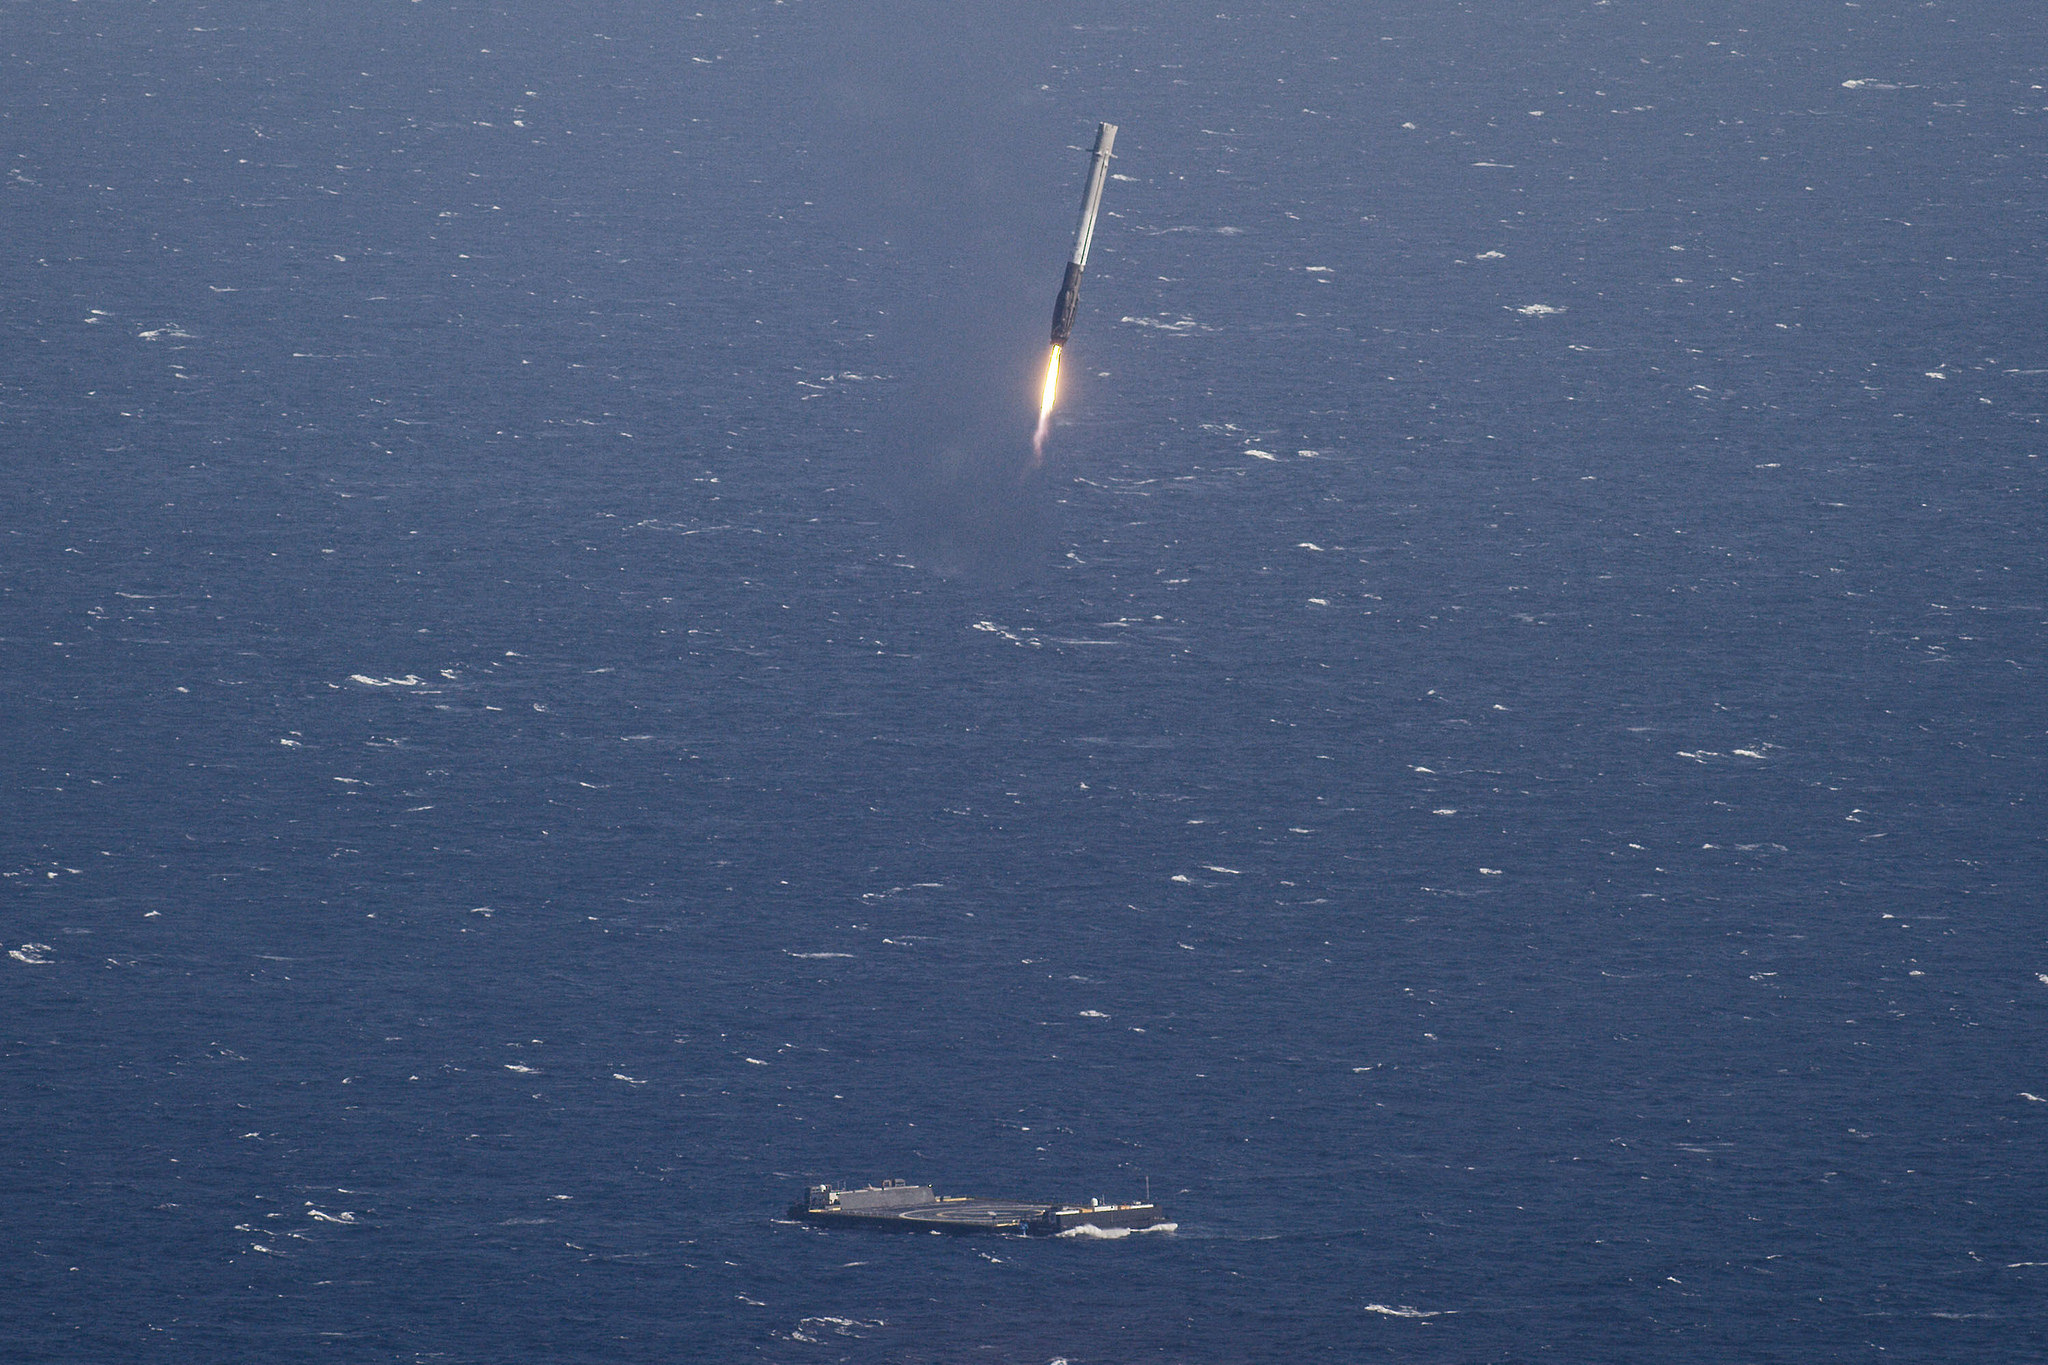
{"x":1091,"y":200}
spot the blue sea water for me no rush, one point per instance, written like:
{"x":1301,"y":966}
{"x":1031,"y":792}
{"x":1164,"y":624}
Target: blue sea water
{"x":1496,"y":764}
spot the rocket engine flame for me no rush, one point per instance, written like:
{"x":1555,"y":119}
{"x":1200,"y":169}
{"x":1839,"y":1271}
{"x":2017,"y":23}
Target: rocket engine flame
{"x":1045,"y":403}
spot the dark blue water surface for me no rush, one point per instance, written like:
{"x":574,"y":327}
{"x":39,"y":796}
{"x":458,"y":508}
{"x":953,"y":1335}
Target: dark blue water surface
{"x":1497,"y":763}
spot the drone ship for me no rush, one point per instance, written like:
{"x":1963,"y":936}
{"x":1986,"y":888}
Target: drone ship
{"x":895,"y":1206}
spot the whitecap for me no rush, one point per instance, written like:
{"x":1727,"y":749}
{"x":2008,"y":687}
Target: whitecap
{"x":409,"y":680}
{"x":814,"y":956}
{"x":838,"y":1327}
{"x":31,"y":953}
{"x":1405,"y":1312}
{"x":1181,"y":325}
{"x":1089,"y":1232}
{"x":1014,"y":638}
{"x":1536,"y":310}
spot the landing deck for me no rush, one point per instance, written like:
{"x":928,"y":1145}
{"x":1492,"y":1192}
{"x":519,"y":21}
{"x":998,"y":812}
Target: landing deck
{"x":939,"y":1215}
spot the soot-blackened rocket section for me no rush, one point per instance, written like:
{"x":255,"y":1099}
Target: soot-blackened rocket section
{"x":1091,"y":200}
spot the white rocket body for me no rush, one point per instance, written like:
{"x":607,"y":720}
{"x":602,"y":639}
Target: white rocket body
{"x":1084,"y":235}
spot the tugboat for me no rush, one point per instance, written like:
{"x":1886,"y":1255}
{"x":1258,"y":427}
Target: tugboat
{"x":897,"y":1207}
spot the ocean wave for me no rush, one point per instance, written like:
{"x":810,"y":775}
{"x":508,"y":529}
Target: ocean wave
{"x":1089,"y":1232}
{"x":1012,"y":636}
{"x":814,"y":1330}
{"x":1181,"y":325}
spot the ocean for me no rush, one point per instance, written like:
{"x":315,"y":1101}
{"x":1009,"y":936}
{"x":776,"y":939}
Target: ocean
{"x":1494,"y":766}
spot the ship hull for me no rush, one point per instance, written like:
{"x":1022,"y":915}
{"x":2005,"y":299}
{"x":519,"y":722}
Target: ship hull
{"x":899,"y":1208}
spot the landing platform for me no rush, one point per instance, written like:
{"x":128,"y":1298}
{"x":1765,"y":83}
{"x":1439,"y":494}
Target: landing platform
{"x":899,"y":1207}
{"x":940,"y":1215}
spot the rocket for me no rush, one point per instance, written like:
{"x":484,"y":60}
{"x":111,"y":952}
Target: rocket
{"x":1070,"y":287}
{"x":1091,"y":200}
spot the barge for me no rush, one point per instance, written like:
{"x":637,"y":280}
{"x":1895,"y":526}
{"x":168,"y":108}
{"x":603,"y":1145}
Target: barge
{"x":898,"y":1207}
